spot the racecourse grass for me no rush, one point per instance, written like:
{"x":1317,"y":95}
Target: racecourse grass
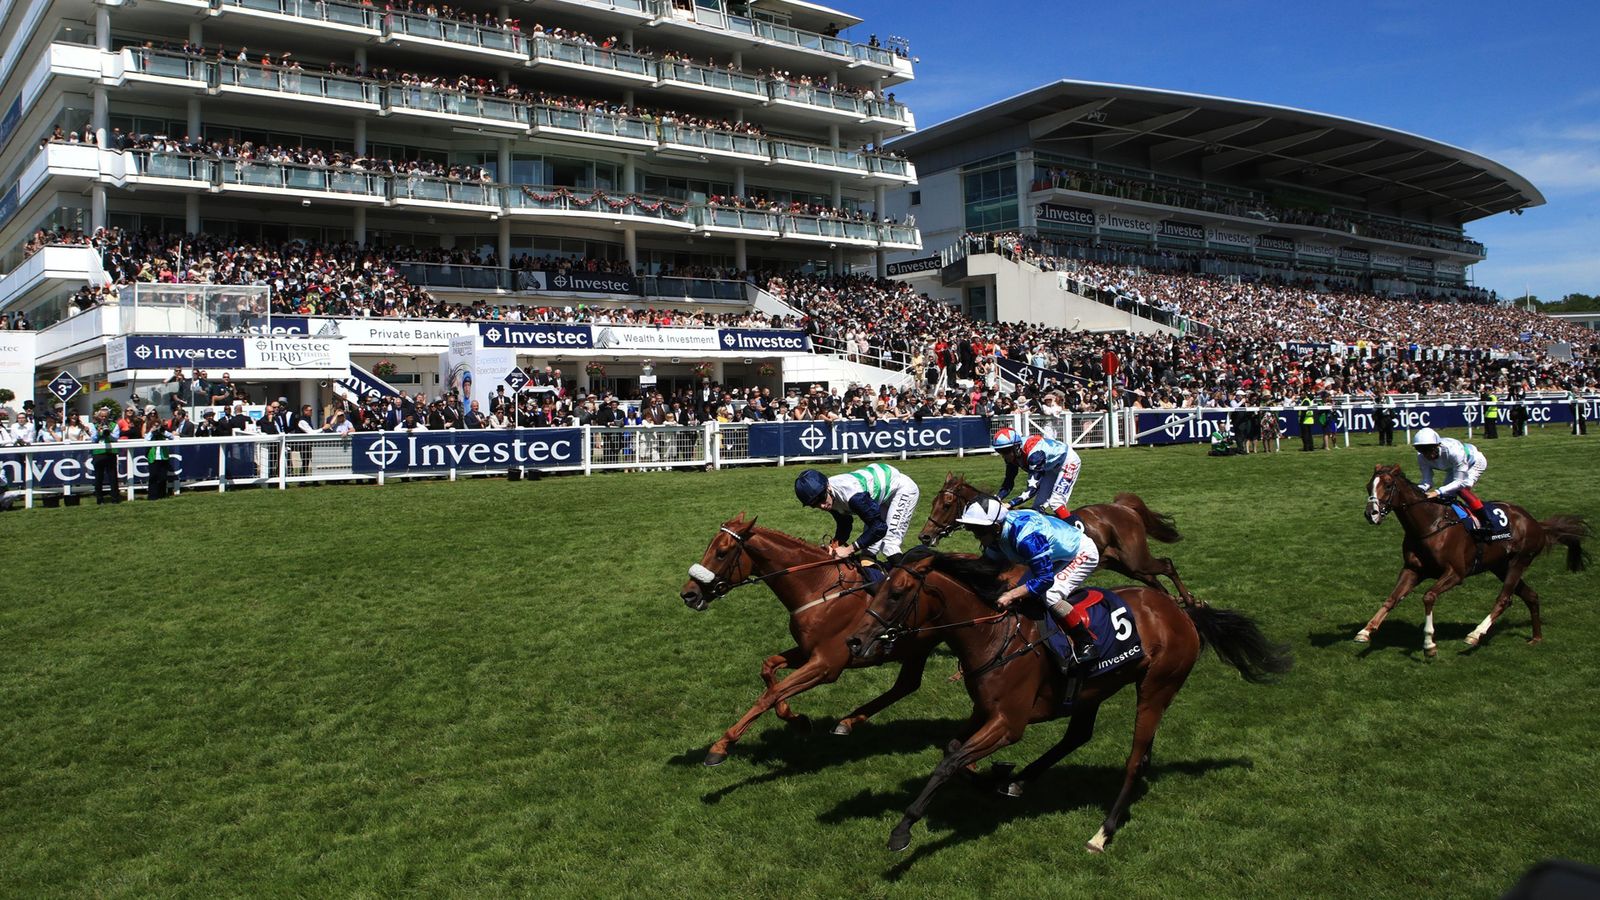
{"x":489,"y":688}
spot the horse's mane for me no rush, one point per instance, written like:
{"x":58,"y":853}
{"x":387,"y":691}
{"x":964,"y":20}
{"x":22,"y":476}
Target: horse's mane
{"x":785,"y":537}
{"x":985,"y":577}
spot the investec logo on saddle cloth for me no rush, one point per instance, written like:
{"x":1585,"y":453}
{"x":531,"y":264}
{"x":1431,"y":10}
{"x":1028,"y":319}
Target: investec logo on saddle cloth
{"x":168,"y":352}
{"x":536,"y":336}
{"x":799,"y":439}
{"x":440,"y":451}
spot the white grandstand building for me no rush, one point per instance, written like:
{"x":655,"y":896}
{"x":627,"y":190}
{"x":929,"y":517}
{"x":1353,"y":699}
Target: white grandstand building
{"x":594,"y":130}
{"x":1131,"y":175}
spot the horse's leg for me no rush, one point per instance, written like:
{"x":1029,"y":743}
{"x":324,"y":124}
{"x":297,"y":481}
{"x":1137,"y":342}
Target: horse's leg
{"x":1080,"y":728}
{"x":1152,"y":706}
{"x":1403,"y":586}
{"x":1512,"y":576}
{"x":788,"y":659}
{"x":997,"y":732}
{"x":817,"y":670}
{"x":906,"y":684}
{"x":1531,"y":598}
{"x":1133,"y":552}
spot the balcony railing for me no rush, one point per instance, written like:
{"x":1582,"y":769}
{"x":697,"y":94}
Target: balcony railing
{"x":714,"y":141}
{"x":503,"y":40}
{"x":339,"y":88}
{"x":561,"y":199}
{"x":294,"y":177}
{"x":441,"y":190}
{"x":720,"y":79}
{"x":594,"y":57}
{"x":175,"y":166}
{"x":419,"y":98}
{"x":167,"y":65}
{"x":743,"y":219}
{"x":813,"y":155}
{"x":348,"y":14}
{"x":834,"y":229}
{"x":595,"y":123}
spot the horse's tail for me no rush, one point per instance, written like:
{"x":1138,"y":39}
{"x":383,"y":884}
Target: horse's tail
{"x":1240,"y":643}
{"x":1156,"y":525}
{"x":1570,"y":531}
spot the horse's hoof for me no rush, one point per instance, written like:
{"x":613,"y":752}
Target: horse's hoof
{"x":1097,"y":844}
{"x":843,"y":728}
{"x":800,"y":723}
{"x":900,"y":838}
{"x":715,"y":759}
{"x":1471,"y":640}
{"x":1431,"y":652}
{"x":1363,"y":636}
{"x":1537,"y":640}
{"x":1014,"y":789}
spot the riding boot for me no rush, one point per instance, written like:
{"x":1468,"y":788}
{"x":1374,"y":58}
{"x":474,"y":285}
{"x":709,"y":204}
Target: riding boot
{"x":1082,"y":641}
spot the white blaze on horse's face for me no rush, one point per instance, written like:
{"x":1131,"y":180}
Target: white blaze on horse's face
{"x":1375,"y":510}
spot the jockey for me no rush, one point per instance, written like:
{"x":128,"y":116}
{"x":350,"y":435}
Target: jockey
{"x":1462,"y":463}
{"x":882,"y":497}
{"x":1060,"y":559}
{"x":1052,"y":468}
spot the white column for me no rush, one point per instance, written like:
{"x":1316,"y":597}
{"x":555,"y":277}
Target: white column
{"x":627,"y":97}
{"x":360,"y":137}
{"x":627,"y":37}
{"x":630,"y":248}
{"x":503,"y":11}
{"x":191,"y":213}
{"x":629,"y":174}
{"x":101,"y":116}
{"x":102,"y":28}
{"x":361,"y":58}
{"x":193,"y":123}
{"x":838,"y":193}
{"x":740,"y":259}
{"x":308,"y":394}
{"x":503,"y":242}
{"x":833,"y":136}
{"x":1025,"y":216}
{"x":97,"y":207}
{"x":358,"y":227}
{"x":837,"y":263}
{"x":883,"y":264}
{"x":738,"y":181}
{"x":196,"y":32}
{"x":738,"y":59}
{"x":503,"y":161}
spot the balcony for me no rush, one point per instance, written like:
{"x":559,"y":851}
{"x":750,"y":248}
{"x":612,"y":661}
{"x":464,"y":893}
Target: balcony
{"x":700,"y":142}
{"x":300,"y":181}
{"x":141,"y":167}
{"x":857,"y":108}
{"x":50,"y":267}
{"x":338,"y":90}
{"x":609,"y":65}
{"x":483,"y":110}
{"x":159,"y":67}
{"x":703,"y":17}
{"x":835,"y":231}
{"x":704,"y":79}
{"x":336,"y":15}
{"x":441,"y":193}
{"x":448,"y":34}
{"x":736,"y":222}
{"x":560,"y":203}
{"x":558,"y":122}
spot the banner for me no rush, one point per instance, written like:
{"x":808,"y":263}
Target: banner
{"x":1230,"y":238}
{"x":399,"y":452}
{"x":1274,"y":244}
{"x":1057,"y":214}
{"x":920,"y":264}
{"x":1310,"y":248}
{"x":192,"y":460}
{"x":311,"y":356}
{"x":1181,"y":230}
{"x":8,"y":122}
{"x":530,"y":336}
{"x":1181,"y":426}
{"x":361,"y":385}
{"x":796,"y":439}
{"x":579,"y":282}
{"x":763,"y":341}
{"x":1018,"y":372}
{"x":17,"y":353}
{"x":1420,"y":264}
{"x":1355,"y":254}
{"x":647,"y":337}
{"x":1123,"y":222}
{"x":1452,"y":269}
{"x":387,"y":333}
{"x":168,"y":352}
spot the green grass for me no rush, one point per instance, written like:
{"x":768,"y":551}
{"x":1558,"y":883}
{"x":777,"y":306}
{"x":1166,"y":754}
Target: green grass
{"x":492,"y":688}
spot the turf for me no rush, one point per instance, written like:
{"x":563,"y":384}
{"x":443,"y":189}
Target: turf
{"x":486,"y":687}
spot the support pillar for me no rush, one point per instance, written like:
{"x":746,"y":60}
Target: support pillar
{"x":503,"y":161}
{"x":740,"y":258}
{"x":192,"y":123}
{"x":630,"y":248}
{"x":97,"y":207}
{"x":191,"y":213}
{"x":627,"y":37}
{"x":738,"y":181}
{"x":101,"y":116}
{"x":738,"y":60}
{"x":1025,"y":217}
{"x":837,"y":263}
{"x":502,"y":248}
{"x":102,"y":28}
{"x":196,"y":33}
{"x":627,"y":97}
{"x":358,"y":227}
{"x":833,"y":136}
{"x":882,"y":264}
{"x":838,"y":194}
{"x":361,"y":59}
{"x":359,"y":139}
{"x":629,"y":174}
{"x":308,"y":394}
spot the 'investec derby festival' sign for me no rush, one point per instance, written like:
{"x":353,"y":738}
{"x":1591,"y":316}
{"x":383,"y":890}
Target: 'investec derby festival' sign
{"x":799,"y":439}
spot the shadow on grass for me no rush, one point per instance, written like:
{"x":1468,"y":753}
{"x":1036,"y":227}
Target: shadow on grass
{"x":978,"y":813}
{"x":787,"y":752}
{"x":1394,"y":633}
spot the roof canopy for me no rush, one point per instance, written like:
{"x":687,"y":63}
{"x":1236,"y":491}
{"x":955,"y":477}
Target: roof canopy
{"x":1239,"y":141}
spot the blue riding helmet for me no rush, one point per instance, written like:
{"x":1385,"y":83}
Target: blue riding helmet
{"x":810,"y":487}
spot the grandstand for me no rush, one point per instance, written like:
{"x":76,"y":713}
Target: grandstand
{"x":624,"y":154}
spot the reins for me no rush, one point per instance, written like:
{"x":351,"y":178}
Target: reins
{"x":790,"y":570}
{"x":895,"y":631}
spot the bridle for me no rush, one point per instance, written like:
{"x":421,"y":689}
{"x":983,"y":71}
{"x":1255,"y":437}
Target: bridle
{"x":721,"y":582}
{"x":1387,"y":504}
{"x":895,"y":626}
{"x":955,"y":500}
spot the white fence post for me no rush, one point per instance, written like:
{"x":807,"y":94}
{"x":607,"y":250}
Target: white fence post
{"x":27,"y":480}
{"x":283,"y":462}
{"x":222,"y":468}
{"x":588,"y":449}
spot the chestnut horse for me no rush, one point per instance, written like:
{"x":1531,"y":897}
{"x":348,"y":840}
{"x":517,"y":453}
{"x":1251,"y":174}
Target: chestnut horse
{"x":1013,"y":681}
{"x":825,"y":598}
{"x":1435,"y":548}
{"x":1120,"y":530}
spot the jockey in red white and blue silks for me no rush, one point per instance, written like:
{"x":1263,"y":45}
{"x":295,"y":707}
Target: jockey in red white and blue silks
{"x":1060,"y":558}
{"x":1052,"y":468}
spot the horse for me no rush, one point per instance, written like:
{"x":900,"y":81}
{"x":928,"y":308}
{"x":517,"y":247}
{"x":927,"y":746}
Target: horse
{"x":1435,"y":548}
{"x":1120,"y":530}
{"x":825,"y":597}
{"x":1013,"y":682}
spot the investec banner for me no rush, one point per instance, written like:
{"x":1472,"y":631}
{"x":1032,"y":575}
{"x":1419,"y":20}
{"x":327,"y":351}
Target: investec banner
{"x":191,"y":461}
{"x":1388,"y":260}
{"x":580,"y":282}
{"x":1181,"y":230}
{"x":1274,"y":244}
{"x":17,"y":355}
{"x":1355,"y":255}
{"x":1123,"y":222}
{"x":756,"y":340}
{"x":1230,"y":238}
{"x":1180,"y":426}
{"x":1064,"y":215}
{"x":645,"y":337}
{"x":909,"y":266}
{"x":171,"y":351}
{"x":530,"y":336}
{"x":797,"y":439}
{"x":308,"y":355}
{"x":399,"y":453}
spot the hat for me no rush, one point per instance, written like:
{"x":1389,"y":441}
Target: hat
{"x":983,"y":511}
{"x":208,"y":414}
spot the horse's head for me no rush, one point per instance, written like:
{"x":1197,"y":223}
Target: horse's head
{"x":1384,"y":492}
{"x":892,"y":610}
{"x":724,"y":564}
{"x":953,"y":497}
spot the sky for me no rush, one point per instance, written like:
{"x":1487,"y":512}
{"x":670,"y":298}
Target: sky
{"x":1516,"y":82}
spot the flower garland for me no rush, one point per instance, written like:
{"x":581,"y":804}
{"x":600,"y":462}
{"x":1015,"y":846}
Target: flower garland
{"x":595,"y":368}
{"x":384,"y":369}
{"x":617,"y":204}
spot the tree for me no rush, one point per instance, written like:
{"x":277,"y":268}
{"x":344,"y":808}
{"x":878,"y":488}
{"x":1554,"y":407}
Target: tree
{"x":1572,"y":303}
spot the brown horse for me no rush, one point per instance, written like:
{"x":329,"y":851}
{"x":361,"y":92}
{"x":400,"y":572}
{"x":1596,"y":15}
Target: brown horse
{"x":1013,"y":682}
{"x":1435,"y":548}
{"x":825,"y":598}
{"x":1120,"y":530}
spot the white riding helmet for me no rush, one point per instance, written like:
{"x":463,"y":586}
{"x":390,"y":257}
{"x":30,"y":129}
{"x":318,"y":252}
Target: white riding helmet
{"x":1425,"y":437}
{"x":983,"y":511}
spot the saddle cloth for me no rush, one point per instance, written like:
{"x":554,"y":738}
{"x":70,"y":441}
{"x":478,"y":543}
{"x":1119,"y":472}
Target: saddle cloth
{"x":1494,"y":518}
{"x":1116,"y":636}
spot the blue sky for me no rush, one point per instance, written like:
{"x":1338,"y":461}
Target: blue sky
{"x":1516,"y":82}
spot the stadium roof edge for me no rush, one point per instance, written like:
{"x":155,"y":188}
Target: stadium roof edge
{"x":1065,"y":93}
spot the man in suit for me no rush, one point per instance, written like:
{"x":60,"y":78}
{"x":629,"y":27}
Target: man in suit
{"x":394,"y":418}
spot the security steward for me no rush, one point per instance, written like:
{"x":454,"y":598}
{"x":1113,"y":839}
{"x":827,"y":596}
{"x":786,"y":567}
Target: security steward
{"x":1308,"y":422}
{"x":1491,"y":415}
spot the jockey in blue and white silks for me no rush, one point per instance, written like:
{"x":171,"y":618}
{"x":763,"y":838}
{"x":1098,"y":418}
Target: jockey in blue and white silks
{"x":1460,"y":464}
{"x":1060,"y":558}
{"x":879,"y":495}
{"x":1052,"y":468}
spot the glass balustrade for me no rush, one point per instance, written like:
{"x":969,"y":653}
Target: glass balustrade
{"x":744,"y":219}
{"x":454,"y":32}
{"x":721,"y":79}
{"x":440,"y":190}
{"x":293,"y":177}
{"x":594,"y":123}
{"x":815,"y":155}
{"x":176,"y":166}
{"x":298,"y":82}
{"x":440,"y":275}
{"x":351,"y":14}
{"x":535,"y":197}
{"x":889,"y":165}
{"x":593,"y":57}
{"x":476,"y":106}
{"x":714,"y":141}
{"x":162,"y":65}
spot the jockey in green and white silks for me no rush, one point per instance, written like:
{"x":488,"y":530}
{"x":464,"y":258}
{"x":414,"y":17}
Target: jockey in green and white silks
{"x":882,"y":497}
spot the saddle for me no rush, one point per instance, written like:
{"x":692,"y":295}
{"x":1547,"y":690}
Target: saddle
{"x":1116,"y":637}
{"x":1495,"y":525}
